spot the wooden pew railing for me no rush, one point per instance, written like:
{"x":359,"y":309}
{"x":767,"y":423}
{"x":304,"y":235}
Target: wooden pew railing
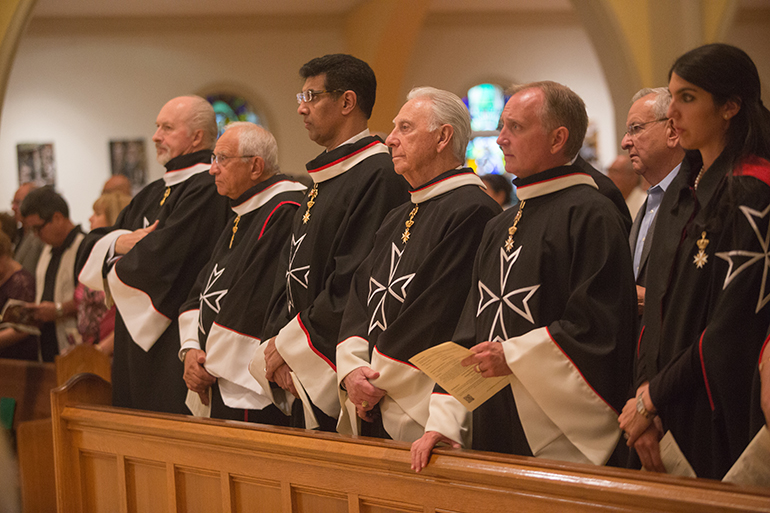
{"x":110,"y":459}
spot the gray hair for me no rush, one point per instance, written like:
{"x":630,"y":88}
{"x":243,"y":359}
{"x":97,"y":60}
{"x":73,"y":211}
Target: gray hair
{"x":255,"y":140}
{"x":448,"y":109}
{"x":202,"y":117}
{"x":662,"y":100}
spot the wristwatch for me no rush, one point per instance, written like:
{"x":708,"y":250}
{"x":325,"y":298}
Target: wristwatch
{"x":641,"y":410}
{"x":183,"y":353}
{"x":59,"y":311}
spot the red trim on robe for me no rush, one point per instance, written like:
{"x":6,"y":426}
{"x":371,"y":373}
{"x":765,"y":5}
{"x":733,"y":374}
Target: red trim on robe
{"x":236,"y":332}
{"x":261,"y":232}
{"x":639,"y":342}
{"x":394,"y":359}
{"x":577,"y":368}
{"x":754,"y":166}
{"x":316,"y":351}
{"x":143,"y":292}
{"x":703,"y":368}
{"x":552,"y":179}
{"x":343,"y":159}
{"x":442,"y":180}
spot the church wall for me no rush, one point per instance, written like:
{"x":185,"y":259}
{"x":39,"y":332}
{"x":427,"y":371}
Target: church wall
{"x":81,"y":83}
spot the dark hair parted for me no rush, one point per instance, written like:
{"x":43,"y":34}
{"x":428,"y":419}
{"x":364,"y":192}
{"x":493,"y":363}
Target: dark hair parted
{"x":345,"y":73}
{"x":562,"y":107}
{"x":728,"y":73}
{"x":44,"y":202}
{"x":499,"y":183}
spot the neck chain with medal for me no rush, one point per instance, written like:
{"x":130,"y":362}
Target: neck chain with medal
{"x":701,"y":258}
{"x":409,"y":223}
{"x":312,"y":195}
{"x":165,"y":195}
{"x":514,"y":227}
{"x":235,"y":230}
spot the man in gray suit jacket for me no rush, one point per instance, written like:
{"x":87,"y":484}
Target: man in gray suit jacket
{"x":653,"y":146}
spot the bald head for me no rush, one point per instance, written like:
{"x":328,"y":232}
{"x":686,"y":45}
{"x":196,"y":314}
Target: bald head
{"x":18,"y":198}
{"x":118,"y":183}
{"x":185,"y":124}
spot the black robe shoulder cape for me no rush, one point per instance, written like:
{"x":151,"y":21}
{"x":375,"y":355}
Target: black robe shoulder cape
{"x":407,"y":296}
{"x":356,"y":188}
{"x":150,"y":282}
{"x":561,"y":301}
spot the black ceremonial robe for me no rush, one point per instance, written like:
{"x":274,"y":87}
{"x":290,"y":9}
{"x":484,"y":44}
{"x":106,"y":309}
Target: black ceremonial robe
{"x":356,"y":188}
{"x":562,"y":302}
{"x":706,"y":315}
{"x":150,"y":282}
{"x":407,"y":296}
{"x":225,"y":312}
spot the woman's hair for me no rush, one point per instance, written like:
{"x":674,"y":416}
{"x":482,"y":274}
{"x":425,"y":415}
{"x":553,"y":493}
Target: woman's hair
{"x":728,"y":73}
{"x":111,"y":203}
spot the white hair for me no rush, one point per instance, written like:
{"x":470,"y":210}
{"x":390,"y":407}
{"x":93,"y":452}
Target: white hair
{"x":662,"y":100}
{"x":255,"y":140}
{"x":202,"y":117}
{"x":448,"y":109}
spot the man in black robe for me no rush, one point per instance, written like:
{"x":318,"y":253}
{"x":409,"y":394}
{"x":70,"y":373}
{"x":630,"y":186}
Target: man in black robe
{"x":151,"y":257}
{"x":354,"y":187}
{"x":404,"y":297}
{"x":552,"y":304}
{"x":222,"y":322}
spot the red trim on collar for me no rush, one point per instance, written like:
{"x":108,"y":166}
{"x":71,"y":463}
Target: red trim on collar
{"x":754,"y":166}
{"x":346,"y":157}
{"x":263,"y":190}
{"x":188,"y":167}
{"x":442,"y":180}
{"x":552,"y":179}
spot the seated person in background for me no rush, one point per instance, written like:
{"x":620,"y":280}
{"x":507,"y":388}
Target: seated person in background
{"x":118,"y":183}
{"x":404,"y":296}
{"x":96,"y":322}
{"x":48,"y":215}
{"x":222,"y":322}
{"x":15,"y":283}
{"x":552,"y":303}
{"x":499,"y":189}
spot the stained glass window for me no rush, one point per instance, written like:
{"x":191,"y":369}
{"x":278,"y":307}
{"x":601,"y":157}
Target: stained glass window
{"x":229,"y":108}
{"x":485,"y":103}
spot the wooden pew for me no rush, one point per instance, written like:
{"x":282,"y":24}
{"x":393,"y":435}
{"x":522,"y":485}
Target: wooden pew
{"x":83,"y":358}
{"x":30,"y":384}
{"x":110,"y":459}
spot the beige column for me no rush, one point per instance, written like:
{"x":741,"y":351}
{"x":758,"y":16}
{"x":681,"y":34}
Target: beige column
{"x":384,"y":33}
{"x":14,"y":15}
{"x":637,"y":41}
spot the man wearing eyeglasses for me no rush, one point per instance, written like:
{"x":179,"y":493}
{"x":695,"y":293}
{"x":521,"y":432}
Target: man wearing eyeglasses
{"x":46,"y":213}
{"x":152,"y":255}
{"x":653,"y":146}
{"x":354,"y":187}
{"x":222,"y":322}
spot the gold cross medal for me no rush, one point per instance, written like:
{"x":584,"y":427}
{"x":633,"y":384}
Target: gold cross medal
{"x":312,"y":195}
{"x":514,"y":228}
{"x":409,"y":223}
{"x":165,"y":195}
{"x":701,"y":258}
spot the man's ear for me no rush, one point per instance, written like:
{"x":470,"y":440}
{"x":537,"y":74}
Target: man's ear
{"x":257,"y":169}
{"x":349,"y":102}
{"x":445,"y":133}
{"x":197,"y":138}
{"x":672,"y":136}
{"x":559,"y":139}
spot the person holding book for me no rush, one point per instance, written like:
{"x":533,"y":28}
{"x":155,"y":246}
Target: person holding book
{"x":15,"y":283}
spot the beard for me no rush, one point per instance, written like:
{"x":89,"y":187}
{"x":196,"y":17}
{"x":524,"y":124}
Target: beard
{"x":163,"y":154}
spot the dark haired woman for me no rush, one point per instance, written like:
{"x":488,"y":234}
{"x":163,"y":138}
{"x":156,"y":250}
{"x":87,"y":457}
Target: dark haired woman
{"x":708,"y":295}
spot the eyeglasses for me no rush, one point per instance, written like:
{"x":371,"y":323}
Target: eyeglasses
{"x":309,"y":95}
{"x":220,"y":159}
{"x":633,"y":130}
{"x":37,"y":229}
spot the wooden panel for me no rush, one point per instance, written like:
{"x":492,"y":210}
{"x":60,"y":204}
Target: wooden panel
{"x":381,"y":506}
{"x":99,"y":478}
{"x":220,"y":466}
{"x":34,"y":440}
{"x":83,"y":358}
{"x":255,"y":495}
{"x":146,"y":486}
{"x":198,"y":491}
{"x":313,"y":500}
{"x":30,"y":384}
